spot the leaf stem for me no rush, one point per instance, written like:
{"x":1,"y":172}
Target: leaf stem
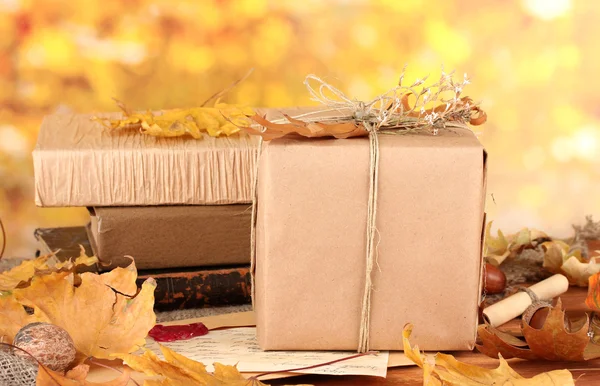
{"x":91,"y":360}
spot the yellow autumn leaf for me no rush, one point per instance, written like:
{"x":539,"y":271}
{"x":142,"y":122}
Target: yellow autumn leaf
{"x":177,"y":370}
{"x":496,"y":248}
{"x":222,"y":119}
{"x":448,"y":371}
{"x":82,"y":259}
{"x":20,"y":275}
{"x":13,"y":316}
{"x":103,"y":314}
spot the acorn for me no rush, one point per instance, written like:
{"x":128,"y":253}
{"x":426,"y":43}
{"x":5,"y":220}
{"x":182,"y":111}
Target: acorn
{"x":49,"y":344}
{"x":495,"y":279}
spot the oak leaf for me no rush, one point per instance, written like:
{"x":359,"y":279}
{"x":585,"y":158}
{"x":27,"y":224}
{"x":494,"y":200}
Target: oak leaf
{"x":21,"y":275}
{"x":178,"y":370}
{"x":558,"y":339}
{"x":103,"y":313}
{"x":222,"y":119}
{"x":76,"y":377}
{"x":446,"y":370}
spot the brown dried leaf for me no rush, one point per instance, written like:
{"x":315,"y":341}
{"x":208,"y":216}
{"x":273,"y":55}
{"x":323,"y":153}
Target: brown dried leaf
{"x":554,"y":341}
{"x":306,"y":129}
{"x":559,"y":339}
{"x":449,"y":372}
{"x":496,"y":343}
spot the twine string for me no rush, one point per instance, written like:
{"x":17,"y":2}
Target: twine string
{"x":253,"y":223}
{"x":371,"y":249}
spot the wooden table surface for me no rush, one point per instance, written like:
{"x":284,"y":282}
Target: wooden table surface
{"x":585,"y":373}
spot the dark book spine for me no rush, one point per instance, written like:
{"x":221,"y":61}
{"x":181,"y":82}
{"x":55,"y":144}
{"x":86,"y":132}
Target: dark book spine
{"x":202,"y":288}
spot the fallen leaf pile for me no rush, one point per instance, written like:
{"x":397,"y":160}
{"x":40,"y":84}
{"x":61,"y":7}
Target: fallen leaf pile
{"x":178,"y":370}
{"x":104,"y":314}
{"x":559,"y":338}
{"x":559,"y":256}
{"x":223,"y":119}
{"x":448,"y":371}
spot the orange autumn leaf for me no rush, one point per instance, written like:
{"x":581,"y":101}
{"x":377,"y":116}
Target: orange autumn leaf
{"x":447,"y":371}
{"x":593,"y":297}
{"x":558,"y":339}
{"x":103,"y":314}
{"x":76,"y":377}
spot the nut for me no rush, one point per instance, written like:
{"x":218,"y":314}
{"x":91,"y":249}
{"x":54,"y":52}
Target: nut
{"x":495,"y":280}
{"x":49,"y":344}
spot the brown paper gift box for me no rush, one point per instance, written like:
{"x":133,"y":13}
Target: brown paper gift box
{"x":310,"y":252}
{"x":171,"y":236}
{"x":78,"y":162}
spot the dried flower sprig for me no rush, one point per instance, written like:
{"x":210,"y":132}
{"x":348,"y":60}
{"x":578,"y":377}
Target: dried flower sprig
{"x":391,"y":112}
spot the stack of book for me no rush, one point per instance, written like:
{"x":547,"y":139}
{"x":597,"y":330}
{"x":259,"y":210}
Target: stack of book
{"x":179,"y":206}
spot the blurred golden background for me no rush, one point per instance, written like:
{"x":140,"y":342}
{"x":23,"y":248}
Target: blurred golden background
{"x":533,"y":64}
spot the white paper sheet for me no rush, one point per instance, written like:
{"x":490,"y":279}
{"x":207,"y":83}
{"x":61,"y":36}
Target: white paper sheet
{"x":238,"y":346}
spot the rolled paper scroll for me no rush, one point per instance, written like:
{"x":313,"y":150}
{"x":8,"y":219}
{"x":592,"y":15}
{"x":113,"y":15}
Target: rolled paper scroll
{"x":514,"y":306}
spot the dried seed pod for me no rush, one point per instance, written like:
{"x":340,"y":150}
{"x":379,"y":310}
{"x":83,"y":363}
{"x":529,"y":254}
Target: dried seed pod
{"x":49,"y":344}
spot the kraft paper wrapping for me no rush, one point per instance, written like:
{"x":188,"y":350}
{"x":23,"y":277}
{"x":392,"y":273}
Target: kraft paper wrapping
{"x":311,"y":221}
{"x":171,"y":236}
{"x":513,"y":306}
{"x":78,"y":162}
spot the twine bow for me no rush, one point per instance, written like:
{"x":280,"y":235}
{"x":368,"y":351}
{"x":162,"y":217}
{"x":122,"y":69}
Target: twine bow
{"x":387,"y":113}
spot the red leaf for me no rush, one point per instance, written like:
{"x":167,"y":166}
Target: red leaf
{"x":162,"y":333}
